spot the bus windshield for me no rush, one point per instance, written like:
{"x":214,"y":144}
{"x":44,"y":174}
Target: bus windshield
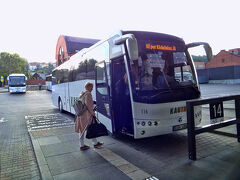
{"x":161,"y":71}
{"x":17,"y":81}
{"x":157,"y":73}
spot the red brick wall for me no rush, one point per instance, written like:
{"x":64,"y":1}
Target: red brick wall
{"x":61,"y":43}
{"x":35,"y":82}
{"x":222,"y":59}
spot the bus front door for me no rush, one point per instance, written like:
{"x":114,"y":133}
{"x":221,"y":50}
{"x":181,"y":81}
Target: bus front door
{"x":103,"y":99}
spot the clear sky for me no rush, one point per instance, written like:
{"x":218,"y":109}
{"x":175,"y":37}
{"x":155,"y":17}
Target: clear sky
{"x":31,"y":28}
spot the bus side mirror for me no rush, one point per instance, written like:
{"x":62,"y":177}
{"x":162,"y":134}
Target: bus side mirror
{"x":8,"y":78}
{"x":26,"y":78}
{"x":131,"y":43}
{"x":132,"y":48}
{"x":206,"y":46}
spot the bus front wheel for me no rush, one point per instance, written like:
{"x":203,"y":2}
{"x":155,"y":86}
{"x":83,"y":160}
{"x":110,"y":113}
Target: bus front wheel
{"x":60,"y":105}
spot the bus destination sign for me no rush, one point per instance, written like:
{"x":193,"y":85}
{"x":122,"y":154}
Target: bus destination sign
{"x":160,"y":47}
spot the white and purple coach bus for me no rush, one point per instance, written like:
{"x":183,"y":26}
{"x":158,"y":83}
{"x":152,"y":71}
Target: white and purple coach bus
{"x":125,"y":70}
{"x":17,"y":83}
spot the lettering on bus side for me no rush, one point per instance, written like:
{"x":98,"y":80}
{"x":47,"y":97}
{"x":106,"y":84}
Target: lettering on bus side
{"x":176,"y":110}
{"x":73,"y":100}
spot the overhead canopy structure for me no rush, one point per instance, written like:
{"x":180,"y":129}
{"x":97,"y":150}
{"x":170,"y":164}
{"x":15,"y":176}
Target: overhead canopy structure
{"x":68,"y":46}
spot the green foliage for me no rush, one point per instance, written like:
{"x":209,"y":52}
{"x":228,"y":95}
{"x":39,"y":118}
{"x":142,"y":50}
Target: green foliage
{"x":45,"y":70}
{"x":12,"y":63}
{"x":199,"y":58}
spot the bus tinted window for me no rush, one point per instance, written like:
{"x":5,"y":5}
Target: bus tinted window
{"x":60,"y":75}
{"x":84,"y":70}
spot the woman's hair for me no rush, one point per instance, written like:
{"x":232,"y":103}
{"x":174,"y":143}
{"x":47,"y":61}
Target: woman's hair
{"x":88,"y":84}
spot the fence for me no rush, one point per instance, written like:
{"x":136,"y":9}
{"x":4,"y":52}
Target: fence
{"x":35,"y":82}
{"x":219,"y":73}
{"x":216,"y":111}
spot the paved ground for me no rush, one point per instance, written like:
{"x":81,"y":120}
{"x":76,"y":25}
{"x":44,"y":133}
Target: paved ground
{"x":164,"y":157}
{"x":17,"y":158}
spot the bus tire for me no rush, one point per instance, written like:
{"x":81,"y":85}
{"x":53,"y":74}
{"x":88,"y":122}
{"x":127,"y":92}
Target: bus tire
{"x":116,"y":135}
{"x":60,"y":105}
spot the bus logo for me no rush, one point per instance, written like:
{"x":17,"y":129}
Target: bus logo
{"x":73,"y":100}
{"x":176,"y":110}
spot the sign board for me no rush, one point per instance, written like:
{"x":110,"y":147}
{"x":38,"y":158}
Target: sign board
{"x":2,"y":78}
{"x":216,"y":112}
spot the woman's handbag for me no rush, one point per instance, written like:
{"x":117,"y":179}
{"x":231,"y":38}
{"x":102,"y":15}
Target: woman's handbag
{"x":96,"y":129}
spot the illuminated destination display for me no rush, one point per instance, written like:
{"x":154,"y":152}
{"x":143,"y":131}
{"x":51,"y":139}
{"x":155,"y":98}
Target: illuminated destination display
{"x":160,"y":47}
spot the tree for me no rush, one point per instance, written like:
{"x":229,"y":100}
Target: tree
{"x":199,"y":58}
{"x":12,"y":63}
{"x":46,"y":70}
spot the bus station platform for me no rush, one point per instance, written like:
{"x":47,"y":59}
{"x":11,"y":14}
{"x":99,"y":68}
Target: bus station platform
{"x":162,"y":157}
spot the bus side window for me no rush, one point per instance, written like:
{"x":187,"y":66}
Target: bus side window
{"x":101,"y":80}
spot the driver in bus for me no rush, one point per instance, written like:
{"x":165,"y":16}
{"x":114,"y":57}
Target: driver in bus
{"x":146,"y":73}
{"x":158,"y":79}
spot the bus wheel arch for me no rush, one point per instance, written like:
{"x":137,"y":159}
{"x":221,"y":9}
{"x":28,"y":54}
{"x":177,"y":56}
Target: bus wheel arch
{"x":60,"y":105}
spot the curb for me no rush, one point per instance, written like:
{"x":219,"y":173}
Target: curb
{"x":3,"y":91}
{"x":44,"y":171}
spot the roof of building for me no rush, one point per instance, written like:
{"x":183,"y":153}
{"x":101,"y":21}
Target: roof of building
{"x":75,"y":44}
{"x":41,"y":75}
{"x":228,"y":52}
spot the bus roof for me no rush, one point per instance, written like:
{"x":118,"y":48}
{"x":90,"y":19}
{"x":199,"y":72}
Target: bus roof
{"x":154,"y":35}
{"x":16,"y":74}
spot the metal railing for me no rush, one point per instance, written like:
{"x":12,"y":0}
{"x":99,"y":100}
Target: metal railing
{"x":213,"y":103}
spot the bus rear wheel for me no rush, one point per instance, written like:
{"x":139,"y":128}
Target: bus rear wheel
{"x":60,"y":105}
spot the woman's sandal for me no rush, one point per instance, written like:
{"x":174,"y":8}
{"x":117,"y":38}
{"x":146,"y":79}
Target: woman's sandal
{"x":98,"y":145}
{"x":85,"y":147}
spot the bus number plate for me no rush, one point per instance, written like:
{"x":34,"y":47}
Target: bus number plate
{"x":216,"y":112}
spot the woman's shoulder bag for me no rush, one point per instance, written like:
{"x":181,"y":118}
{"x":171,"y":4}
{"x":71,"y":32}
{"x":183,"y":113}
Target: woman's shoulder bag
{"x":96,"y":129}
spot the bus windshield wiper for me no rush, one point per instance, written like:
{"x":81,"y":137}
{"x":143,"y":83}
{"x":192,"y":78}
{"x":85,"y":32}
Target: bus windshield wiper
{"x":162,"y":92}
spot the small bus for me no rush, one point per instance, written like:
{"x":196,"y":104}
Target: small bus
{"x":125,"y":69}
{"x":49,"y":82}
{"x":17,"y":83}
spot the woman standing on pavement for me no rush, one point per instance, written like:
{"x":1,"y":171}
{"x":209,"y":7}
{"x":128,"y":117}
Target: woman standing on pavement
{"x":85,"y":119}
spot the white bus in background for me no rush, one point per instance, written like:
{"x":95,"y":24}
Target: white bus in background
{"x":123,"y":69}
{"x":49,"y":82}
{"x":17,"y":83}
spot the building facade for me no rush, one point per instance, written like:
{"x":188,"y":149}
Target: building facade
{"x":225,"y":58}
{"x":68,"y":46}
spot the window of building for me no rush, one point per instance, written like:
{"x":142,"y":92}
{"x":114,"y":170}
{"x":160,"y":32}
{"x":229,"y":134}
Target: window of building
{"x":223,"y":60}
